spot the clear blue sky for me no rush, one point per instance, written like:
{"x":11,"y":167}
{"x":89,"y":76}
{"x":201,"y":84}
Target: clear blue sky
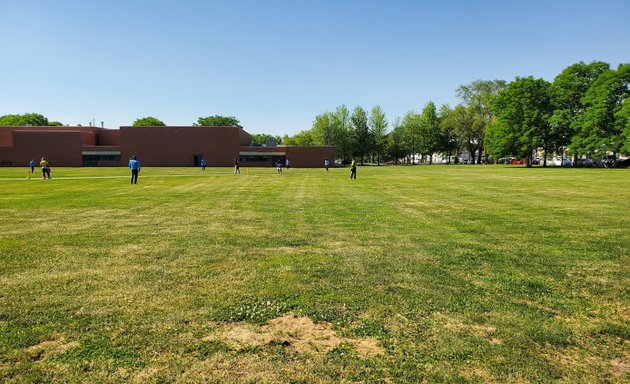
{"x":276,"y":64}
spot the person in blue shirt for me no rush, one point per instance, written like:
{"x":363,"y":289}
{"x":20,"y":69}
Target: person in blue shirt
{"x":32,"y":165}
{"x":326,"y":164}
{"x":134,"y":165}
{"x":203,"y":164}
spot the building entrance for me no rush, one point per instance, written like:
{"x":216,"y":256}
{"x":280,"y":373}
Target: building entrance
{"x":197,"y":160}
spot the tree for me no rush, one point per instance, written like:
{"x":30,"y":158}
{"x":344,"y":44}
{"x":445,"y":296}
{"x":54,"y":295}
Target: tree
{"x":395,"y":147}
{"x":148,"y":122}
{"x":479,"y":96}
{"x":464,"y":124}
{"x":448,"y":140}
{"x":410,"y":129}
{"x":524,"y":110}
{"x":55,"y":124}
{"x":362,"y":137}
{"x":623,"y":116}
{"x":34,"y":119}
{"x":567,"y":91}
{"x":378,"y":130}
{"x":429,"y":134}
{"x":342,"y":133}
{"x":261,"y":138}
{"x":604,"y":119}
{"x":302,"y":138}
{"x":218,"y":121}
{"x":324,"y":129}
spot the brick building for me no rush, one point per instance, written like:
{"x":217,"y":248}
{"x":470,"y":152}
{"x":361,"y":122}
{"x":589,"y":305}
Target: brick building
{"x":155,"y":147}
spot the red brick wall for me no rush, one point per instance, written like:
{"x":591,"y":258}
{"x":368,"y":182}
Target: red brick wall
{"x":5,"y":136}
{"x":176,"y":146}
{"x":61,"y":149}
{"x":88,"y":138}
{"x":154,"y":146}
{"x":310,"y":157}
{"x":109,"y":136}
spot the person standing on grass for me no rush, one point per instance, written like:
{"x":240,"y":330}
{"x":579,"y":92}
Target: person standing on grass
{"x":32,"y":165}
{"x":326,"y":164}
{"x":45,"y":168}
{"x":237,"y":168}
{"x":353,"y":170}
{"x":287,"y":164}
{"x":279,"y":166}
{"x":134,"y":165}
{"x":203,"y":163}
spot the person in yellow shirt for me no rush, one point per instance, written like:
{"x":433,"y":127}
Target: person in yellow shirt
{"x":45,"y":168}
{"x":353,"y":170}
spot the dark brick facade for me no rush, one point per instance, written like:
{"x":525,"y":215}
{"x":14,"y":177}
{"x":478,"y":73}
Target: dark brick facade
{"x":154,"y":146}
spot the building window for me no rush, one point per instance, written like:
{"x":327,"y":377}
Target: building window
{"x":101,"y":160}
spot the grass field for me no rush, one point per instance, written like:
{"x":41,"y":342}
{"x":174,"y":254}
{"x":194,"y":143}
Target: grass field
{"x":407,"y":274}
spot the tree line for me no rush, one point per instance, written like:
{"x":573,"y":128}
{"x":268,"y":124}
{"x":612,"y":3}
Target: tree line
{"x":34,"y":119}
{"x":585,"y":110}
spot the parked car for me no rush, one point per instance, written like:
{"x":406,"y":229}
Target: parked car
{"x":622,"y":163}
{"x":505,"y":160}
{"x":608,"y":161}
{"x":617,"y":163}
{"x":536,"y":160}
{"x":587,"y":163}
{"x":567,"y":163}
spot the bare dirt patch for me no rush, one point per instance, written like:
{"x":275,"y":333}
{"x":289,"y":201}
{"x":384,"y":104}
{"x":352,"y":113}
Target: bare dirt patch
{"x":56,"y":346}
{"x":620,"y":367}
{"x":299,"y":333}
{"x":477,"y":330}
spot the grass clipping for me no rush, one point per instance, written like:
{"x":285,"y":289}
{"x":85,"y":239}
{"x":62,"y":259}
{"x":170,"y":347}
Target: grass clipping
{"x":299,"y":333}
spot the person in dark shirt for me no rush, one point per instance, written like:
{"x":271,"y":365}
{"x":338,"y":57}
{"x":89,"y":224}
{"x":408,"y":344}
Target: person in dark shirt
{"x":353,"y":170}
{"x":237,"y":168}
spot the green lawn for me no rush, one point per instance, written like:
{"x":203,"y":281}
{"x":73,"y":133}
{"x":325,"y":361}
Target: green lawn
{"x":410,"y":274}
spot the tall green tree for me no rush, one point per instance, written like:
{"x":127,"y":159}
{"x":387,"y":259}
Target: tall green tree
{"x":567,"y":91}
{"x":378,"y":129}
{"x":465,"y":126}
{"x":342,"y":133}
{"x":602,"y":123}
{"x":479,"y":96}
{"x":34,"y":119}
{"x":261,"y":138}
{"x":623,"y":116}
{"x":448,"y":139}
{"x":302,"y":138}
{"x":148,"y":122}
{"x":429,"y":130}
{"x":361,"y":134}
{"x":218,"y":121}
{"x":410,"y":127}
{"x":524,"y":110}
{"x":324,"y":129}
{"x":395,"y":142}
